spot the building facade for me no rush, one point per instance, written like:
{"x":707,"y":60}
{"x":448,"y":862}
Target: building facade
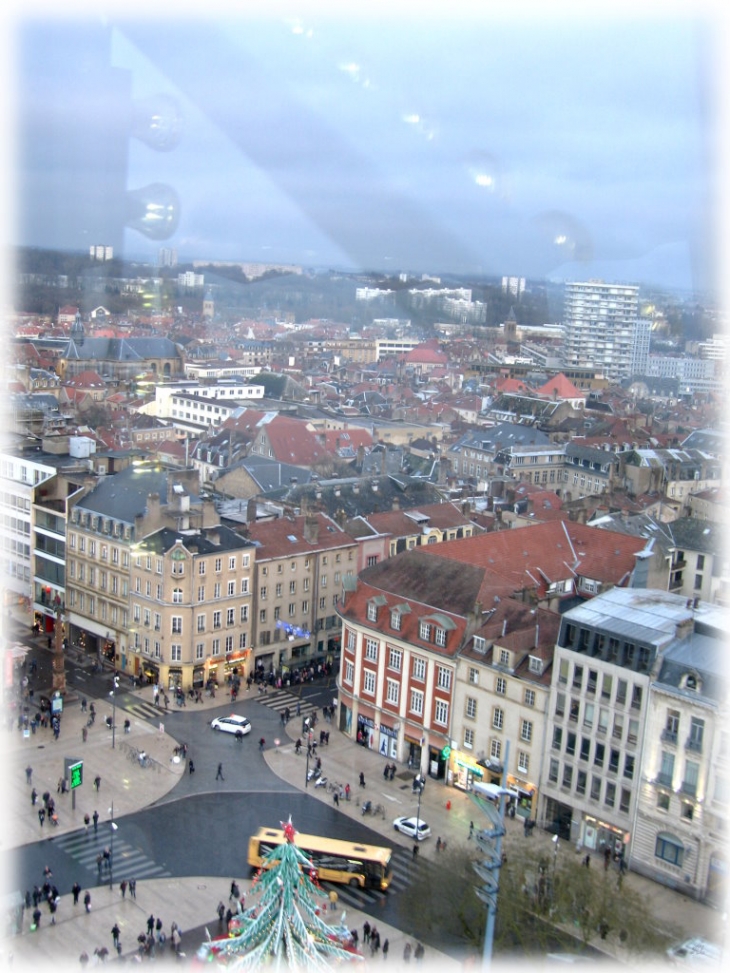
{"x":602,"y":329}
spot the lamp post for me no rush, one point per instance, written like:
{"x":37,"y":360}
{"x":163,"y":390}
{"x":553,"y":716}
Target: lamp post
{"x":113,"y":695}
{"x":421,"y":783}
{"x":308,"y":732}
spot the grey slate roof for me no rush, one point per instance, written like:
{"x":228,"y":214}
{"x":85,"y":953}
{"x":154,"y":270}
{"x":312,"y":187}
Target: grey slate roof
{"x":697,"y":535}
{"x":120,"y":349}
{"x":123,"y":496}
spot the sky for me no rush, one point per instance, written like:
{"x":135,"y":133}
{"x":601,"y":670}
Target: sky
{"x":460,"y":138}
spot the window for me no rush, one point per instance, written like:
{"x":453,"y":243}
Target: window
{"x":666,"y":769}
{"x":277,"y":591}
{"x":230,"y":616}
{"x":395,"y":659}
{"x":217,"y":619}
{"x":177,"y":624}
{"x":585,"y":748}
{"x":625,"y":802}
{"x":621,"y":690}
{"x":603,"y":721}
{"x":632,"y":736}
{"x":588,"y":714}
{"x":497,"y":718}
{"x":691,"y":777}
{"x":262,"y":593}
{"x":200,"y":627}
{"x":523,"y":761}
{"x":176,"y":653}
{"x":177,"y":596}
{"x":636,"y":697}
{"x":563,"y":671}
{"x":322,"y":603}
{"x":443,"y":677}
{"x":662,"y":801}
{"x":244,"y":613}
{"x":669,"y":849}
{"x":416,"y":702}
{"x":395,"y":620}
{"x":567,"y":776}
{"x":526,"y":731}
{"x":471,"y":708}
{"x":199,"y":650}
{"x":560,"y":705}
{"x":595,"y":788}
{"x":392,"y":691}
{"x":201,"y":567}
{"x":474,"y":677}
{"x":231,"y":588}
{"x":218,"y":565}
{"x":606,"y":686}
{"x":618,"y":727}
{"x":557,"y":737}
{"x":419,"y":669}
{"x":577,"y":677}
{"x":468,"y":739}
{"x":368,"y":685}
{"x":613,"y":761}
{"x":441,"y":714}
{"x":599,"y":754}
{"x":351,"y":640}
{"x":323,"y":584}
{"x":371,"y":650}
{"x":592,"y":682}
{"x":580,"y":786}
{"x":629,"y":764}
{"x":501,"y":686}
{"x":372,"y":612}
{"x":570,"y":744}
{"x":242,"y":640}
{"x":201,"y":592}
{"x":671,"y":727}
{"x":440,"y":635}
{"x":696,"y":734}
{"x":262,"y":615}
{"x":424,"y":631}
{"x":504,"y":657}
{"x":610,"y":798}
{"x":349,"y":672}
{"x":292,"y":587}
{"x":244,"y":586}
{"x":574,"y":710}
{"x":553,"y":771}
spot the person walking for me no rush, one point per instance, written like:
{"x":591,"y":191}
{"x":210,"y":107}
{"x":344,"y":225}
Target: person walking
{"x":123,"y":888}
{"x":84,"y":734}
{"x":191,"y":767}
{"x":471,"y":830}
{"x":87,"y":901}
{"x":29,"y":774}
{"x":36,"y":918}
{"x":386,"y":946}
{"x":362,"y":779}
{"x":415,"y":852}
{"x":87,"y":822}
{"x":366,"y":932}
{"x":133,"y":887}
{"x":116,"y":932}
{"x":41,"y":815}
{"x":221,"y":910}
{"x":438,"y":843}
{"x":336,"y":798}
{"x":347,"y":792}
{"x":333,"y":900}
{"x":33,"y":797}
{"x":150,"y":924}
{"x":606,"y":857}
{"x":95,"y":818}
{"x":418,"y":952}
{"x":97,"y":783}
{"x":262,"y":743}
{"x":219,"y":773}
{"x":76,"y":889}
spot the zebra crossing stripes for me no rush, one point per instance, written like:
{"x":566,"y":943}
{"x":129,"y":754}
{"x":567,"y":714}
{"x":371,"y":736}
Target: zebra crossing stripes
{"x":279,"y":699}
{"x":145,"y":711}
{"x":129,"y":862}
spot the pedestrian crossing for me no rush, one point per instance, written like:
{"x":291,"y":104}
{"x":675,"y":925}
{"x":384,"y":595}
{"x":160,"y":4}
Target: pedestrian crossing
{"x":129,"y":862}
{"x":280,"y":699}
{"x":145,"y":710}
{"x":404,"y":869}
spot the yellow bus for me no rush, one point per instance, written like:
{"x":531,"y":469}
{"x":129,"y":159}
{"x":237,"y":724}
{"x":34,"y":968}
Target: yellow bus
{"x":347,"y":862}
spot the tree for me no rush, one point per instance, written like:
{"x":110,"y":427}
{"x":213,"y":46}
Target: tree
{"x":283,"y":926}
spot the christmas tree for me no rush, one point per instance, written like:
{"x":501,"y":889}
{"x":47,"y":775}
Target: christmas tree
{"x":282,"y":925}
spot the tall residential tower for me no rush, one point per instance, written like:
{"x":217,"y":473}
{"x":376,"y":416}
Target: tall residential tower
{"x":602,"y":328}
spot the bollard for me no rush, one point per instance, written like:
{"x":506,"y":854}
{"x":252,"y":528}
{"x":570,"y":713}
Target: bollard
{"x":448,"y":805}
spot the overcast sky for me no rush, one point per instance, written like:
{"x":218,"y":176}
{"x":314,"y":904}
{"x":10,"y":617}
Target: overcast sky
{"x":518,"y":143}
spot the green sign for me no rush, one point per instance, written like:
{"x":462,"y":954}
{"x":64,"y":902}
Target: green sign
{"x":445,"y":753}
{"x":76,"y":774}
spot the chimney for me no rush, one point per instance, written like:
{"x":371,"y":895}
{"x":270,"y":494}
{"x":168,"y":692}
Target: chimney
{"x":251,"y":511}
{"x":504,"y":628}
{"x":311,"y":528}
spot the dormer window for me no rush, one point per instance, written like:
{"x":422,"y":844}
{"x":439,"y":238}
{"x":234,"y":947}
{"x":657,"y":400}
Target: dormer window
{"x":372,"y":612}
{"x":534,"y":664}
{"x":424,"y":631}
{"x":504,"y":657}
{"x":395,"y":620}
{"x":480,"y":644}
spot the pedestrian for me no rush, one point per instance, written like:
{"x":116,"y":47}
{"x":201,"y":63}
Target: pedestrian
{"x":87,"y":901}
{"x":362,"y":779}
{"x":97,"y":783}
{"x":415,"y":852}
{"x":41,"y":815}
{"x":418,"y":952}
{"x":33,"y":796}
{"x":116,"y":931}
{"x":333,"y":900}
{"x":386,"y":771}
{"x":366,"y":932}
{"x":36,"y":918}
{"x":87,"y":822}
{"x":95,"y":818}
{"x":438,"y":843}
{"x":336,"y":798}
{"x":191,"y":767}
{"x":347,"y":792}
{"x":471,"y":830}
{"x":150,"y":924}
{"x":123,"y":888}
{"x":76,"y":889}
{"x":262,"y":743}
{"x":84,"y":959}
{"x":221,"y":910}
{"x":29,"y":774}
{"x":386,"y":946}
{"x":606,"y":858}
{"x":84,"y":734}
{"x":407,"y":953}
{"x":219,"y":773}
{"x":99,"y":863}
{"x":158,"y":930}
{"x":587,"y":861}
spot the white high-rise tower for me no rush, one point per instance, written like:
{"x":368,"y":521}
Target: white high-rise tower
{"x":601,"y":327}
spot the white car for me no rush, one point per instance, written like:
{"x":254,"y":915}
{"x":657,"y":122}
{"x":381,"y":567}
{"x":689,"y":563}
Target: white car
{"x":413,"y":827}
{"x":231,"y":724}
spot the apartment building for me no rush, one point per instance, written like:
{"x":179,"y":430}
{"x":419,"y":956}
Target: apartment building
{"x":681,"y":831}
{"x":190,"y":606}
{"x":602,"y":328}
{"x":302,"y":564}
{"x":608,"y":653}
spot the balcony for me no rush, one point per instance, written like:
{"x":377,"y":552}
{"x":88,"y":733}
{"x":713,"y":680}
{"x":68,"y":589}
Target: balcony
{"x":694,"y":745}
{"x":669,"y":736}
{"x":688,"y":788}
{"x":665,"y":780}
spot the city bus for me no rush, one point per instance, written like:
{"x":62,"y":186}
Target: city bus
{"x":346,"y":862}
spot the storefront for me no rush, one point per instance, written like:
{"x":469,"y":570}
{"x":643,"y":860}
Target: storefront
{"x":597,"y":835}
{"x":437,"y":762}
{"x":464,"y":771}
{"x":366,"y":731}
{"x":174,"y":678}
{"x":526,"y":805}
{"x":414,"y":751}
{"x":387,"y":741}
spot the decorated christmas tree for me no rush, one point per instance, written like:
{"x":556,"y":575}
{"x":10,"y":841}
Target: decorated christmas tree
{"x":282,"y":925}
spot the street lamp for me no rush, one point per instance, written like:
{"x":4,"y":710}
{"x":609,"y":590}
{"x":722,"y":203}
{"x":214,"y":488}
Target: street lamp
{"x":420,"y":783}
{"x":113,"y":695}
{"x":308,"y":732}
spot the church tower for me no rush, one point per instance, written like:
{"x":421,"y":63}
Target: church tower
{"x":208,"y":304}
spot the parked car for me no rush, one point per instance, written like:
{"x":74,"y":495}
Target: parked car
{"x":413,"y":827}
{"x":231,"y":724}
